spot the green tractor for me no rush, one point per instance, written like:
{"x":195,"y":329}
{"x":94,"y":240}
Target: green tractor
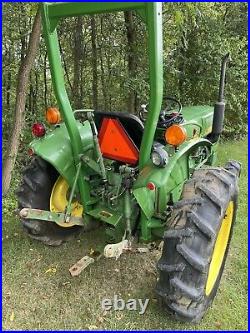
{"x":143,"y":178}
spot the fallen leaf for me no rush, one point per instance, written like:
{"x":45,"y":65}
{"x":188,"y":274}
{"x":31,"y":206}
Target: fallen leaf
{"x":8,"y":295}
{"x":65,"y":283}
{"x":119,"y":316}
{"x":51,"y":270}
{"x":218,"y":324}
{"x":91,"y":251}
{"x":29,"y":264}
{"x":92,"y":327}
{"x":12,"y":316}
{"x":100,"y":319}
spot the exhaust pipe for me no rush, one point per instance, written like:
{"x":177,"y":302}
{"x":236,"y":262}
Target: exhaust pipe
{"x":219,"y":107}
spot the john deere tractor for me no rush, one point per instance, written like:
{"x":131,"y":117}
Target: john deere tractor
{"x":148,"y":177}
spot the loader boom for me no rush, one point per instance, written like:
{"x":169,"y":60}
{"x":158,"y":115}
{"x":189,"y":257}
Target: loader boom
{"x":151,"y":14}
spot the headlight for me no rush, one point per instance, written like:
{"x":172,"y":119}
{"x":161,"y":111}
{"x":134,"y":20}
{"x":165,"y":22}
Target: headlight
{"x":159,"y":157}
{"x":156,"y":158}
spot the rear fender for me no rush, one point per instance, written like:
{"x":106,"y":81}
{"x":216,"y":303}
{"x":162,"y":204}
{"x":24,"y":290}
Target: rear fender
{"x":168,"y":181}
{"x":55,"y":148}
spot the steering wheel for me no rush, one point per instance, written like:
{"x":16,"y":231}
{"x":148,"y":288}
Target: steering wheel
{"x":171,"y":111}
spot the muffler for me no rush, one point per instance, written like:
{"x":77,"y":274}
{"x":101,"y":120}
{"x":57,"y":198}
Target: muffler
{"x":219,"y":107}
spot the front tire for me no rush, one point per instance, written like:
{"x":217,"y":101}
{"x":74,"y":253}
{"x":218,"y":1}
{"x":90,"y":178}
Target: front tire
{"x":197,"y":241}
{"x":34,"y":192}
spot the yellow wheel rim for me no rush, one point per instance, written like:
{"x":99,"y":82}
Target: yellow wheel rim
{"x":58,"y":199}
{"x":220,"y":248}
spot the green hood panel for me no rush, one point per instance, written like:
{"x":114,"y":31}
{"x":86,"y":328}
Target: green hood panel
{"x":200,"y":115}
{"x":55,"y":148}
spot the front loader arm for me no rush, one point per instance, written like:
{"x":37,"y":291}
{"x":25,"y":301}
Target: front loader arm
{"x":151,"y":14}
{"x":57,"y":76}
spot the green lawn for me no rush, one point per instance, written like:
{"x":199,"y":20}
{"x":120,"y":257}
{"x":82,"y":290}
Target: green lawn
{"x":39,"y":293}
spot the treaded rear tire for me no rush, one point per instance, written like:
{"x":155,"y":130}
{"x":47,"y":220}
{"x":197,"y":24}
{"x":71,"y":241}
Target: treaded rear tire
{"x":34,"y":192}
{"x":189,"y":241}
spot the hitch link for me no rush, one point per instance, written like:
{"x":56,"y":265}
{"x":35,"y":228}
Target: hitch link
{"x":68,"y":209}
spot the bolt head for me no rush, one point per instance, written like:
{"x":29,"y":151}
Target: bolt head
{"x":24,"y":213}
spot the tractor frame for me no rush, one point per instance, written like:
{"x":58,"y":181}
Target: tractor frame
{"x":67,"y":148}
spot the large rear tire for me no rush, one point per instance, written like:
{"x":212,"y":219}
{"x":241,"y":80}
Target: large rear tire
{"x":197,"y":241}
{"x":34,"y":192}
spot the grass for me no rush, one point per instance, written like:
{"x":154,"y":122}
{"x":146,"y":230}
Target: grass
{"x":39,"y":293}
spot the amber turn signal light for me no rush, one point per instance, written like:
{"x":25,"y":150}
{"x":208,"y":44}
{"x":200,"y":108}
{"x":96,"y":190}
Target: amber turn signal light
{"x":175,"y":135}
{"x":53,"y":116}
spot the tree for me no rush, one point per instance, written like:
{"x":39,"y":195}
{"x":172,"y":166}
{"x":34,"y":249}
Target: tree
{"x":77,"y":62}
{"x":21,"y":93}
{"x":131,"y":54}
{"x":94,"y":64}
{"x":106,"y":63}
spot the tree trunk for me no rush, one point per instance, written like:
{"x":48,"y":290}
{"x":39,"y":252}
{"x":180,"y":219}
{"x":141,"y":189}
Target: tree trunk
{"x":103,"y":80}
{"x":45,"y":80}
{"x":94,"y":64}
{"x":30,"y":95}
{"x":128,"y":18}
{"x":104,"y":87}
{"x":77,"y":63}
{"x":36,"y":90}
{"x":182,"y":64}
{"x":21,"y":92}
{"x":8,"y":83}
{"x":65,"y":69}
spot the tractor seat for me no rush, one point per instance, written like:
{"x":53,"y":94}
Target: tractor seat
{"x":131,"y":123}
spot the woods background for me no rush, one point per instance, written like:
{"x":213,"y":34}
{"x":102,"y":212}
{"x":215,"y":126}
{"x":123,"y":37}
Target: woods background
{"x":105,"y":62}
